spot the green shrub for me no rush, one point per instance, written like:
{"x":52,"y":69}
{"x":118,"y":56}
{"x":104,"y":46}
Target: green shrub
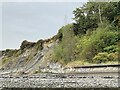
{"x":58,"y":53}
{"x":66,"y":47}
{"x":110,"y":49}
{"x":89,"y":45}
{"x":104,"y":57}
{"x":113,"y":56}
{"x":101,"y":58}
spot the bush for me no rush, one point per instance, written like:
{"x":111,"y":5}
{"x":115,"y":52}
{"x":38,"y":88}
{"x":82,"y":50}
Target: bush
{"x":58,"y":53}
{"x":66,"y":47}
{"x":101,"y":58}
{"x":113,"y":56}
{"x":110,"y":49}
{"x":26,"y":44}
{"x":89,"y":45}
{"x":104,"y":57}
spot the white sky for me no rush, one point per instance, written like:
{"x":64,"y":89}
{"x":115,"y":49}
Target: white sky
{"x":32,"y":21}
{"x":44,"y":0}
{"x":0,"y":25}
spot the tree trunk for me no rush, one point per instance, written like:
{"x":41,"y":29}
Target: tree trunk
{"x":100,"y":14}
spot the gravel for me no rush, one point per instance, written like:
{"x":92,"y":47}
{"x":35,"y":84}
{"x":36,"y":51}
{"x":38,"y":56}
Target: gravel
{"x":44,"y":81}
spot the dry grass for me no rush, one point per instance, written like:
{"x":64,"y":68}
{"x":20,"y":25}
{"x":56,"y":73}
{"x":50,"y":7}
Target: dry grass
{"x":81,"y":63}
{"x":77,"y":63}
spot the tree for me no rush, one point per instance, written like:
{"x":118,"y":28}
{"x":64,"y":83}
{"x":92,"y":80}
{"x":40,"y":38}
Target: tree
{"x":89,"y":16}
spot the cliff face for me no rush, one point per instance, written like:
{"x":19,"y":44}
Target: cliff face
{"x":30,"y":57}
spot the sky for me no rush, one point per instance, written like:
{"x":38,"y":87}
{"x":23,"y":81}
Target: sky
{"x":32,"y":21}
